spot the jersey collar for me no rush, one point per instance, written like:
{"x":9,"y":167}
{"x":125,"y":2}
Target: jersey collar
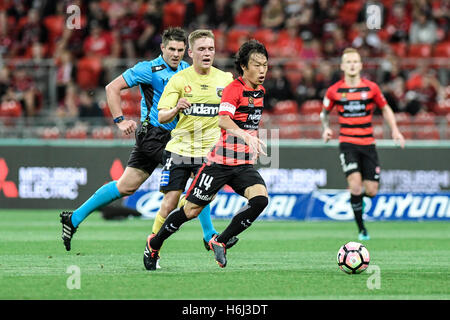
{"x":246,"y":86}
{"x":167,"y":65}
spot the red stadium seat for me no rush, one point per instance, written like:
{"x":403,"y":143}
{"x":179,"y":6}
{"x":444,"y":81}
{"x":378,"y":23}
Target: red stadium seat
{"x":288,"y":45}
{"x":399,"y":48}
{"x":55,"y":26}
{"x":88,"y":73}
{"x":282,"y":119}
{"x":218,"y":34}
{"x":403,"y":118}
{"x":442,"y":50}
{"x":424,"y":118}
{"x":312,"y":132}
{"x":50,"y":133}
{"x":290,"y":131}
{"x":76,"y":133}
{"x":429,"y":132}
{"x":103,"y":133}
{"x":235,"y":37}
{"x":311,"y":119}
{"x":406,"y":131}
{"x":348,"y":13}
{"x":286,"y":106}
{"x":442,"y":107}
{"x":311,"y":106}
{"x":419,"y":50}
{"x":173,"y":14}
{"x":265,"y":36}
{"x":10,"y":108}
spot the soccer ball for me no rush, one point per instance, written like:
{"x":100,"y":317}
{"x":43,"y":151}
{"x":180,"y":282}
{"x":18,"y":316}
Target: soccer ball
{"x":353,"y":257}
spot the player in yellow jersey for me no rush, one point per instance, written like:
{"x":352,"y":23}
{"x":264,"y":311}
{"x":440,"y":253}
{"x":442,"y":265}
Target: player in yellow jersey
{"x":193,"y":95}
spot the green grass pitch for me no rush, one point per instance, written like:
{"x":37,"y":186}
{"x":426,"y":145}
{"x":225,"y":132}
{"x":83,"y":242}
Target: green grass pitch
{"x":273,"y":260}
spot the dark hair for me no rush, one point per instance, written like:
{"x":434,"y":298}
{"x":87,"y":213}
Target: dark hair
{"x":245,"y":51}
{"x":176,"y":34}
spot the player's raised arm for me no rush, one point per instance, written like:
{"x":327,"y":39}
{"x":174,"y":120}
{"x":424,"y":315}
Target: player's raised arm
{"x":389,"y":116}
{"x":113,"y":99}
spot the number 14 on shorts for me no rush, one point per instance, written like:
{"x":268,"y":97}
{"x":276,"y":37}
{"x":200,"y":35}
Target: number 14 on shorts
{"x":205,"y":180}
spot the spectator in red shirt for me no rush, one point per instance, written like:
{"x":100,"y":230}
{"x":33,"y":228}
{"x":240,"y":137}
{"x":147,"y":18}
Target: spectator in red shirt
{"x":422,"y":94}
{"x":398,"y":23}
{"x":129,"y":27}
{"x":98,"y":43}
{"x":289,"y":43}
{"x":26,"y":92}
{"x":249,"y":15}
{"x":32,"y":31}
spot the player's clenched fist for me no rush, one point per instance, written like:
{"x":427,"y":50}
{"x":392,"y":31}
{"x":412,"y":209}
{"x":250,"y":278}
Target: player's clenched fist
{"x":183,"y":104}
{"x":327,"y":134}
{"x":127,"y":126}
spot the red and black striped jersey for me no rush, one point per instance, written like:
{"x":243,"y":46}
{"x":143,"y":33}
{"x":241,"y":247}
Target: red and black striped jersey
{"x":355,"y":106}
{"x":244,"y":105}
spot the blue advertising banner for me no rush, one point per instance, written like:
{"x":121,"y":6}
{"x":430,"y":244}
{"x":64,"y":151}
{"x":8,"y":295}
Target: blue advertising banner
{"x":317,"y":205}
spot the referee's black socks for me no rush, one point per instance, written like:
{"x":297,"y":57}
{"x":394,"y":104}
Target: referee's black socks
{"x":244,"y":218}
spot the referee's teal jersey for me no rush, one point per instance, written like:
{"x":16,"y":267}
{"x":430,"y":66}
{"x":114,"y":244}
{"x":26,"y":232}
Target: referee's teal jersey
{"x":152,"y":77}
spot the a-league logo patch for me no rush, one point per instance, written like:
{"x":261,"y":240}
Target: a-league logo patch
{"x":219,"y":92}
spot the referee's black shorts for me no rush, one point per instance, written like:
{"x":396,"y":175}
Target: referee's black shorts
{"x":147,"y":153}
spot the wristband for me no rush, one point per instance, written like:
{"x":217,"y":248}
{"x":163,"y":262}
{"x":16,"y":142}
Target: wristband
{"x":119,"y":119}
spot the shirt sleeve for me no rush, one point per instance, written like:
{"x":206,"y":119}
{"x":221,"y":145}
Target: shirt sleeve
{"x":378,"y":96}
{"x":229,"y":101}
{"x":171,"y":94}
{"x":140,"y":73}
{"x":328,"y":100}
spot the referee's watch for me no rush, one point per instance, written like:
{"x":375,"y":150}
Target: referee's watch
{"x":119,"y":119}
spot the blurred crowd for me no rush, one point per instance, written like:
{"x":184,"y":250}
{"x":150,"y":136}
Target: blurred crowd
{"x":406,"y":42}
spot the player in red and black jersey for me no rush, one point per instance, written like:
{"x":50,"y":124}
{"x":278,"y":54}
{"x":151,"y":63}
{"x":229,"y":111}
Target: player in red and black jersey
{"x":231,"y":160}
{"x":356,"y":99}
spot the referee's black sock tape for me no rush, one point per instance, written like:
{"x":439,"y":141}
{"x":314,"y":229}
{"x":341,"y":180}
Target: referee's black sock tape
{"x":173,"y":222}
{"x":244,"y":218}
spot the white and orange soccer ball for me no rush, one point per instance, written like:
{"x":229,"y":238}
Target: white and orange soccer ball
{"x":353,"y":257}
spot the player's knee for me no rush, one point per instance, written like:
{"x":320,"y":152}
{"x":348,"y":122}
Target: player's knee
{"x":192,"y":211}
{"x":259,"y":203}
{"x":371,"y":193}
{"x":126,"y":190}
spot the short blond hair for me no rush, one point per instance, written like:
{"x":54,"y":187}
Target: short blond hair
{"x":349,"y":50}
{"x":200,"y":33}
